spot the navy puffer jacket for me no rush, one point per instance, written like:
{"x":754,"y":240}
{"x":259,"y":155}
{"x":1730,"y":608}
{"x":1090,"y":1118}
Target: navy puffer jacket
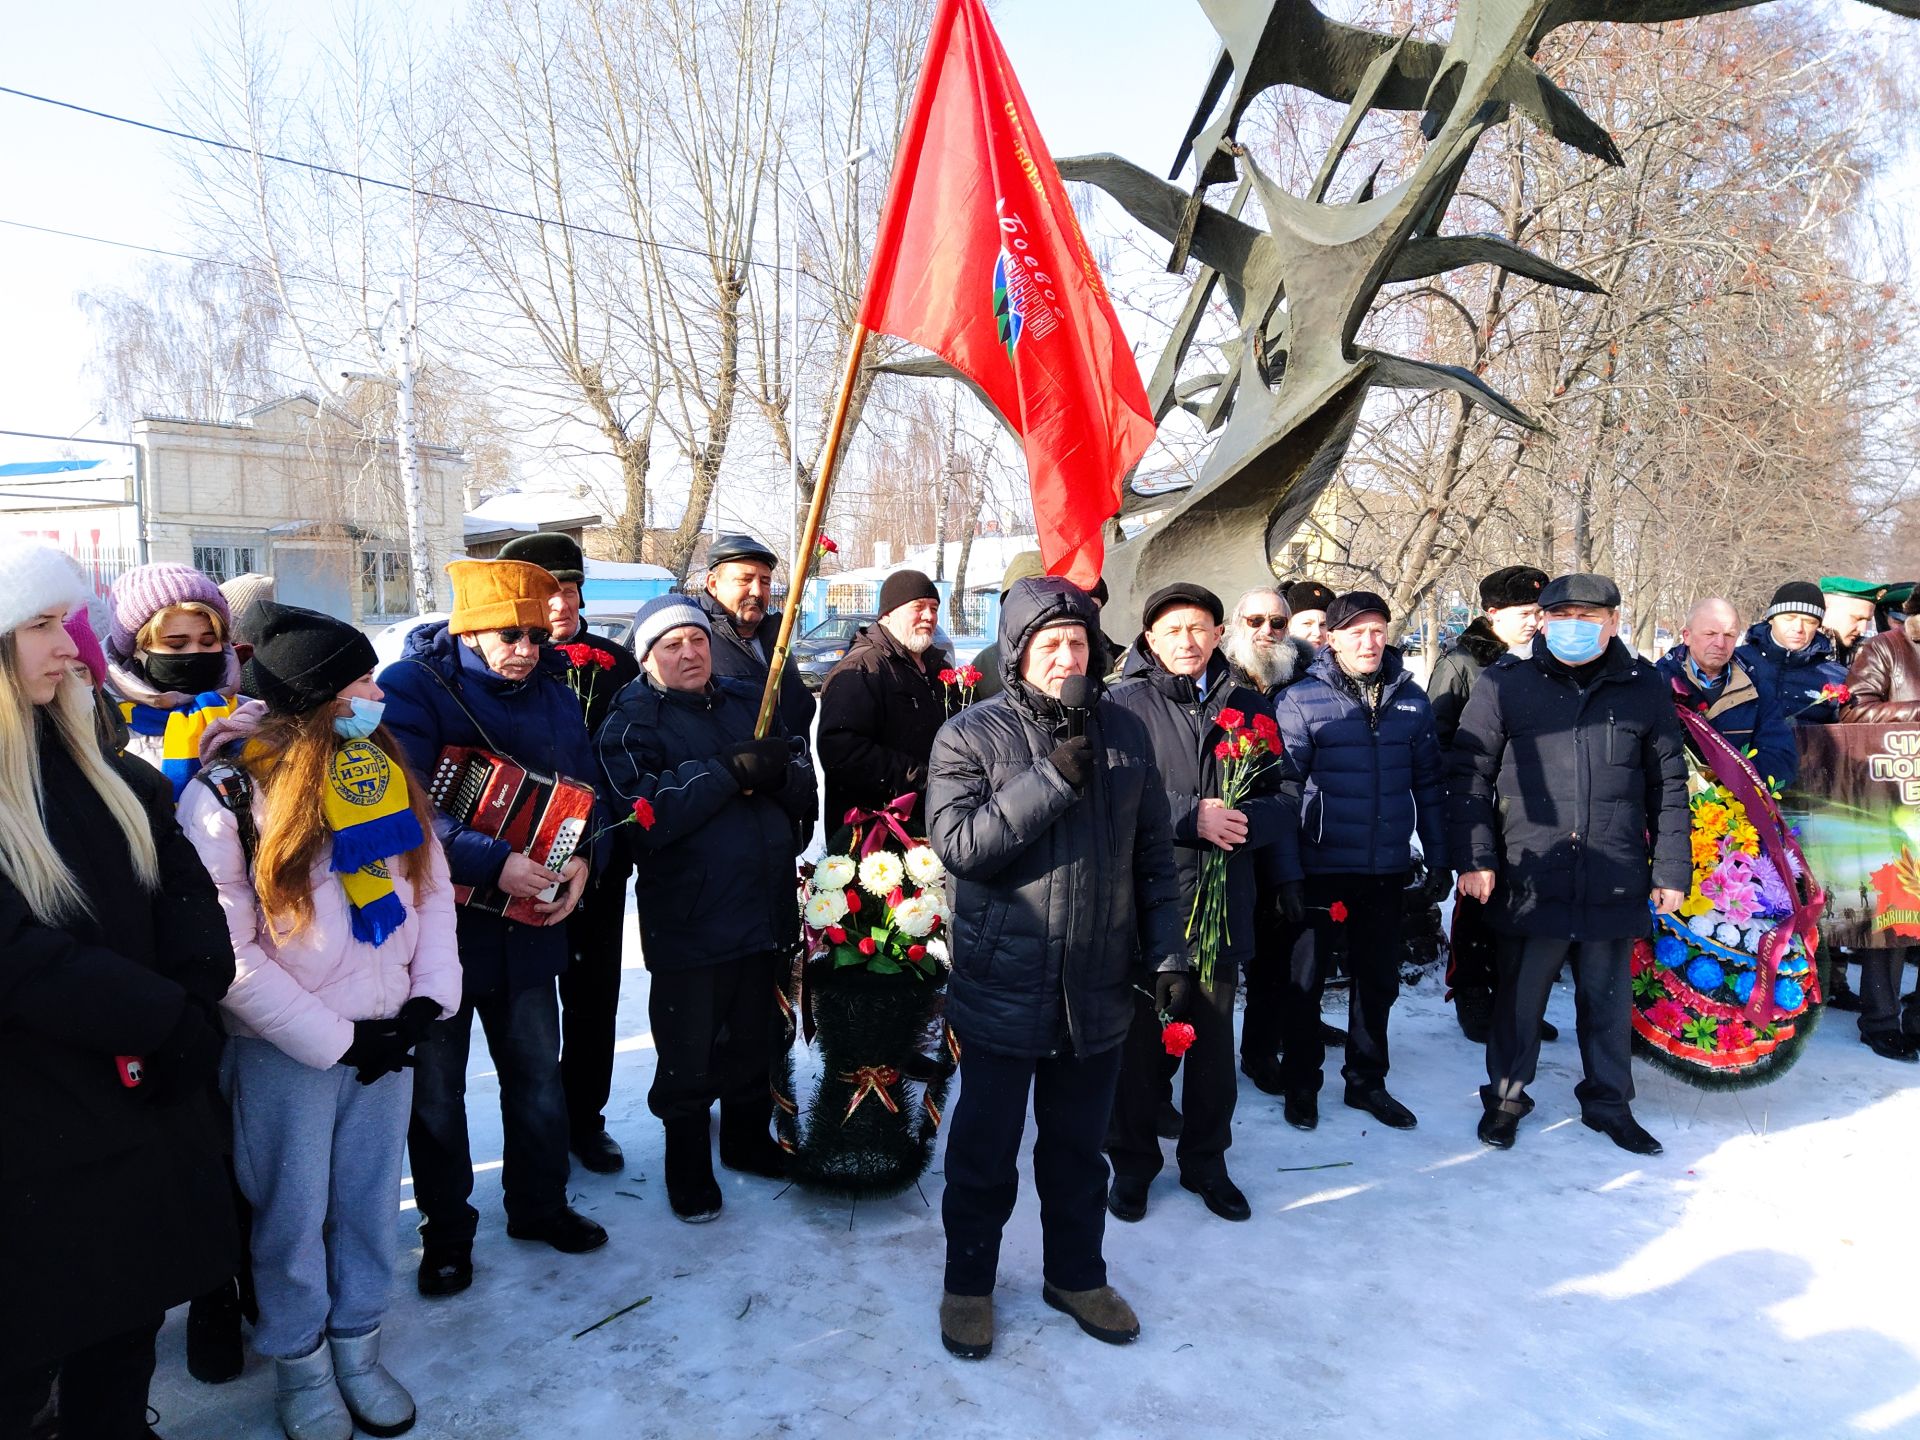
{"x":1795,"y":676}
{"x":536,"y":722}
{"x":1064,"y":898}
{"x":715,"y":877}
{"x":1360,"y":784}
{"x":1744,"y":709}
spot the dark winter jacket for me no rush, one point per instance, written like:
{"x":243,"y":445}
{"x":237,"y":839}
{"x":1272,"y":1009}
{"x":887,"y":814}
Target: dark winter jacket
{"x":1454,"y":673}
{"x":114,"y":1206}
{"x":1183,"y":731}
{"x":436,"y":692}
{"x":1744,"y":710}
{"x":1065,"y":898}
{"x":596,"y":684}
{"x":1885,"y":680}
{"x":1574,"y":790}
{"x":1358,"y":784}
{"x":1296,"y":659}
{"x":879,"y":711}
{"x":1796,"y":677}
{"x":715,"y":878}
{"x":746,"y":660}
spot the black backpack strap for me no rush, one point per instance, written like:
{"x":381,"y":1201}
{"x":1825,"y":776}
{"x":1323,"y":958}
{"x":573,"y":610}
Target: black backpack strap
{"x":233,"y":788}
{"x":454,"y":695}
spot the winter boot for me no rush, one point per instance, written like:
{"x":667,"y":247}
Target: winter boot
{"x":966,"y":1325}
{"x":1101,"y":1313}
{"x":306,"y":1399}
{"x":691,"y":1189}
{"x":214,"y":1355}
{"x":378,"y":1403}
{"x":746,"y":1145}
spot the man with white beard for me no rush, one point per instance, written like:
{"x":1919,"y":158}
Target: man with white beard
{"x":883,"y":704}
{"x":1263,"y":655}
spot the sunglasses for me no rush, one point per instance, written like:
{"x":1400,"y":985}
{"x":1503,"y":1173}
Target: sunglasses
{"x":514,"y":634}
{"x":1264,"y":622}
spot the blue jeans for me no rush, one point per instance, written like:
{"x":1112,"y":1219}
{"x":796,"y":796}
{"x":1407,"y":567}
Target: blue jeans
{"x":317,"y":1155}
{"x":523,"y":1034}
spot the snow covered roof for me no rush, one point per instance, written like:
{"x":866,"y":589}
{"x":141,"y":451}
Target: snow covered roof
{"x":624,"y":570}
{"x":532,"y":510}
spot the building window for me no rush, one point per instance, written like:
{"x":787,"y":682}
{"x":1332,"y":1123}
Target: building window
{"x":386,"y":584}
{"x":223,"y":562}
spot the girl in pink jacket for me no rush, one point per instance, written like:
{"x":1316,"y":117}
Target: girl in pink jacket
{"x":341,"y":911}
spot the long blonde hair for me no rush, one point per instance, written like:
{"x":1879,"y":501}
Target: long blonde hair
{"x":27,"y":856}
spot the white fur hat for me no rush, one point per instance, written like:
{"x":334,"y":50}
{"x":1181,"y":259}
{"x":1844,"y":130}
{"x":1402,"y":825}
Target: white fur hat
{"x":35,"y":577}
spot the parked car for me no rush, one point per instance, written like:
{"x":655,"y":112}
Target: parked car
{"x":824,"y":646}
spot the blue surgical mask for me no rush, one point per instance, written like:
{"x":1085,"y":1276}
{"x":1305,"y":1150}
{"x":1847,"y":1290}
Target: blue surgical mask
{"x":364,"y":720}
{"x":1575,"y":642}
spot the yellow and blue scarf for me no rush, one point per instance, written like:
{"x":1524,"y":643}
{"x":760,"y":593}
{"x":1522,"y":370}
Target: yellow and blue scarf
{"x":179,"y":731}
{"x":368,"y":811}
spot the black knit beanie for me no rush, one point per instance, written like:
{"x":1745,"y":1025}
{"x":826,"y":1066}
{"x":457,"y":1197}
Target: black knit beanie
{"x":1797,"y":597}
{"x":302,"y":659}
{"x":903,"y":587}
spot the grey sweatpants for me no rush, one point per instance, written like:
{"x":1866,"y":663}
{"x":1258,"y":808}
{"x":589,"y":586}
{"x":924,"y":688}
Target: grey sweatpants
{"x":318,"y":1156}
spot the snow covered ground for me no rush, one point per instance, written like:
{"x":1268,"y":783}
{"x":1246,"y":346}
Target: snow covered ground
{"x":1757,"y":1280}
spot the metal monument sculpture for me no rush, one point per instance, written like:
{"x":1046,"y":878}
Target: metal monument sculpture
{"x":1285,"y":409}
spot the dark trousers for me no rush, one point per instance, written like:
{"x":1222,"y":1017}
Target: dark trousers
{"x":590,"y":999}
{"x":1072,"y":1097}
{"x":1268,"y":966}
{"x":1375,"y":932}
{"x":1603,"y":997}
{"x":1207,"y":1094}
{"x":523,"y":1036}
{"x":103,"y":1389}
{"x":716,"y":1030}
{"x":1881,"y":973}
{"x":1471,"y":948}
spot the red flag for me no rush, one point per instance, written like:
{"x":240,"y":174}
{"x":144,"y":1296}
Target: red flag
{"x":980,"y":260}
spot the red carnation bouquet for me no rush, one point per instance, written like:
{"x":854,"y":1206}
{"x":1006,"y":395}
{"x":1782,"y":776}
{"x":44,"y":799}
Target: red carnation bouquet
{"x":1245,"y":753}
{"x":959,"y":680}
{"x":584,"y":660}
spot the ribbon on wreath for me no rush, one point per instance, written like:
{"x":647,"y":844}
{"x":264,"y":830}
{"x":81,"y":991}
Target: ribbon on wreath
{"x":889,"y":819}
{"x":871,"y":1080}
{"x":1733,"y":770}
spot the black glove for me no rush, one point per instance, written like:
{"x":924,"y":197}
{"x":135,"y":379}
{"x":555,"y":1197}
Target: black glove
{"x":757,"y":765}
{"x":378,"y":1049}
{"x":187,"y":1062}
{"x":414,"y":1018}
{"x":1290,"y":901}
{"x":1171,"y":991}
{"x":1435,"y":887}
{"x":1074,"y":759}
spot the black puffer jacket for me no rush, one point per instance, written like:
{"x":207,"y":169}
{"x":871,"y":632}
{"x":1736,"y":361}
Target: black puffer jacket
{"x":737,"y":659}
{"x":1064,"y":898}
{"x":1183,"y":730}
{"x":1454,"y":673}
{"x":1574,"y":793}
{"x":113,"y":1206}
{"x":879,"y":711}
{"x":715,"y":869}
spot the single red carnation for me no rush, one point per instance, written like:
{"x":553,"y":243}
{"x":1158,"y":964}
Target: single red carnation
{"x":969,"y":675}
{"x":1273,"y":745}
{"x":1224,"y":750}
{"x":1337,"y":912}
{"x":867,"y":947}
{"x":827,"y":546}
{"x":1265,"y":726}
{"x":1177,"y":1037}
{"x":1231,"y":719}
{"x":643,"y":813}
{"x":602,"y":660}
{"x":578,"y":656}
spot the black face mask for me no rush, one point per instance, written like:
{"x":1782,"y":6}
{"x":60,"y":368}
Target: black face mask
{"x":187,"y":674}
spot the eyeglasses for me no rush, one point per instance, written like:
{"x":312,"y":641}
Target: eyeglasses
{"x":514,"y":634}
{"x":1264,"y":622}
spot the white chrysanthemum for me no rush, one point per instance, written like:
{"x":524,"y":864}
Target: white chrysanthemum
{"x":881,"y":873}
{"x":1751,"y":941}
{"x":834,"y":872}
{"x":1702,"y":925}
{"x":924,"y":866}
{"x":1727,"y":933}
{"x":916,"y":916}
{"x":826,"y":907}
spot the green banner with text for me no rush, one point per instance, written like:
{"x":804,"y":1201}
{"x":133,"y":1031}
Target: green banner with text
{"x":1857,"y":805}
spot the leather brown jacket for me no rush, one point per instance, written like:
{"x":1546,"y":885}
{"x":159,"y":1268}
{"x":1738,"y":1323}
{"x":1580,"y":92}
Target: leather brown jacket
{"x":1885,"y":679}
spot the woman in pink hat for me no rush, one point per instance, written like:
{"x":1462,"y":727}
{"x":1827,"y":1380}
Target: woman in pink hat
{"x":170,"y":664}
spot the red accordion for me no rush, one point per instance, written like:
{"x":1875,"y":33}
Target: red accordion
{"x":543,"y":817}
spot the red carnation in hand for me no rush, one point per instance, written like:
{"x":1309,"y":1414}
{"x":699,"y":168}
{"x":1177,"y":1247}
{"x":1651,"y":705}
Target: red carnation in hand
{"x":949,"y":676}
{"x":969,"y":675}
{"x":1265,"y":727}
{"x":602,"y":660}
{"x":578,"y":656}
{"x":1273,"y":745}
{"x":867,"y":947}
{"x":1177,"y":1037}
{"x":1337,"y":912}
{"x":1231,"y":719}
{"x":643,"y":813}
{"x":1224,"y":750}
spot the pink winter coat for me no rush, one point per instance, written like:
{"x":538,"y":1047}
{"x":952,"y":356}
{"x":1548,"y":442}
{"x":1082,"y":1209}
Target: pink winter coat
{"x":304,"y":994}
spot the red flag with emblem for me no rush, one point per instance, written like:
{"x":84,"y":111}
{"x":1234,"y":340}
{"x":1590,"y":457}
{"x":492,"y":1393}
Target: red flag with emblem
{"x":980,"y":259}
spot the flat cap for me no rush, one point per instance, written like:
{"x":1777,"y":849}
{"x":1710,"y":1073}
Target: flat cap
{"x":739,"y":546}
{"x":1352,"y":605}
{"x":1181,"y":592}
{"x":1580,"y":590}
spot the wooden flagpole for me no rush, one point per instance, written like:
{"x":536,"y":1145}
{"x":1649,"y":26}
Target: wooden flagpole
{"x":802,"y":563}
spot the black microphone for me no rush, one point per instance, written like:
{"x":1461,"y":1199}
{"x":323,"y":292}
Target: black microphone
{"x":1076,"y":698}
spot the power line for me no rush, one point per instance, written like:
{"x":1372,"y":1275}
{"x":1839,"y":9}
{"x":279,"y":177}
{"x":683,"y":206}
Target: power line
{"x":407,"y":187}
